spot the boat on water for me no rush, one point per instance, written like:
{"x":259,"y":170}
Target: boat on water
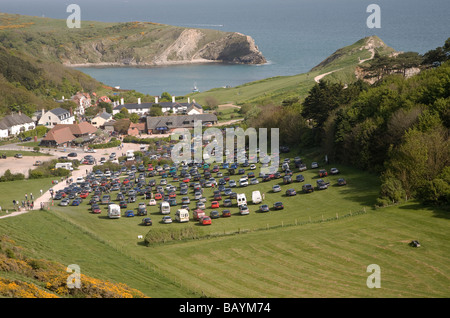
{"x":195,"y":89}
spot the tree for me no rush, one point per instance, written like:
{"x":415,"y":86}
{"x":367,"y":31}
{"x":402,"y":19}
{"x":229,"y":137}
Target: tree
{"x":107,"y":106}
{"x":155,"y":110}
{"x":135,"y":118}
{"x":166,"y":97}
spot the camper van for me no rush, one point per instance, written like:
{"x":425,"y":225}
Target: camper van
{"x":241,"y":199}
{"x":182,"y":215}
{"x":130,"y":155}
{"x":64,"y":165}
{"x":113,"y":211}
{"x":164,"y":207}
{"x":256,"y":197}
{"x":198,"y":214}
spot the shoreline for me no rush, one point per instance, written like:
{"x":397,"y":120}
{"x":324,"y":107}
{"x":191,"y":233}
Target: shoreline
{"x":146,"y":65}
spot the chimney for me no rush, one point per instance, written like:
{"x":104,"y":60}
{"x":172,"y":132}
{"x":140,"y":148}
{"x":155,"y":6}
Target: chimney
{"x":173,"y":99}
{"x":156,"y":99}
{"x":189,"y":100}
{"x":139,"y":100}
{"x":121,"y":101}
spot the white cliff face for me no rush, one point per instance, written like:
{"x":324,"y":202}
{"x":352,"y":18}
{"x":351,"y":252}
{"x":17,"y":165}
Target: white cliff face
{"x":186,"y":46}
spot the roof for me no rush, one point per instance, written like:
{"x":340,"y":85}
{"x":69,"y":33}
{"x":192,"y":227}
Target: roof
{"x":14,"y":120}
{"x":82,"y":128}
{"x":162,"y":104}
{"x":60,"y":136}
{"x":59,"y":111}
{"x":179,"y":121}
{"x":105,"y":115}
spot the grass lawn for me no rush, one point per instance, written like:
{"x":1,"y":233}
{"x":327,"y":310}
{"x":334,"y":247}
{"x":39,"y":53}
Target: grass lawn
{"x":15,"y":190}
{"x":274,"y":254}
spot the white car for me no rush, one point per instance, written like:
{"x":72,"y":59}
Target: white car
{"x":152,"y":202}
{"x":243,"y":182}
{"x":252,"y":167}
{"x":314,"y":165}
{"x":167,"y":219}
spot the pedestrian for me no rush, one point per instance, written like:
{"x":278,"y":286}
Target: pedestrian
{"x":263,"y":196}
{"x":14,"y":203}
{"x":41,"y":191}
{"x":32,"y":205}
{"x":31,"y":196}
{"x":26,"y":196}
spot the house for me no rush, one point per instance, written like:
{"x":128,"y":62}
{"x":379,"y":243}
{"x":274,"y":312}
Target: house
{"x":104,"y":99}
{"x":14,"y":124}
{"x":55,"y":117}
{"x":64,"y":134}
{"x":139,"y":108}
{"x":100,"y":120}
{"x":136,"y":129}
{"x":83,"y":101}
{"x":166,"y":124}
{"x":174,"y":107}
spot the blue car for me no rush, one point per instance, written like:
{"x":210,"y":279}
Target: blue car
{"x":75,"y":202}
{"x":129,"y":213}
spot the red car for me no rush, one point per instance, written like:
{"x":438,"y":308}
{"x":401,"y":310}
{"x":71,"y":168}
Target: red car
{"x":186,"y":180}
{"x":96,"y":209}
{"x":150,"y":167}
{"x":84,"y":195}
{"x":126,"y":180}
{"x":172,"y":195}
{"x":158,"y":196}
{"x":215,"y":204}
{"x":206,"y":220}
{"x":322,"y":173}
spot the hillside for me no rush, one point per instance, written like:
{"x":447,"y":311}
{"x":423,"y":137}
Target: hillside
{"x":339,"y":66}
{"x":125,"y":44}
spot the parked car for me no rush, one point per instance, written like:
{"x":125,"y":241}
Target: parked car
{"x":341,"y":182}
{"x":123,"y":204}
{"x":254,"y":181}
{"x":167,"y":219}
{"x":334,"y":171}
{"x":302,"y":167}
{"x":264,"y":208}
{"x":226,"y":213}
{"x":291,"y":192}
{"x":227,"y":203}
{"x":142,"y":210}
{"x":243,"y":209}
{"x":215,"y":204}
{"x":129,"y":213}
{"x":152,"y":202}
{"x":64,"y":202}
{"x":96,"y":209}
{"x":287,"y":179}
{"x":300,"y":178}
{"x":147,"y":221}
{"x":322,"y":173}
{"x":278,"y":206}
{"x":307,"y":188}
{"x":72,"y":154}
{"x":205,"y":220}
{"x":276,"y":188}
{"x":214,"y":214}
{"x":314,"y":165}
{"x":18,"y":155}
{"x":321,"y":184}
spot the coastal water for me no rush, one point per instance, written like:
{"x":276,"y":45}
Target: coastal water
{"x":293,"y":35}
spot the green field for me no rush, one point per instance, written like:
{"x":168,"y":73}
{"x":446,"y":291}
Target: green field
{"x":319,"y":246}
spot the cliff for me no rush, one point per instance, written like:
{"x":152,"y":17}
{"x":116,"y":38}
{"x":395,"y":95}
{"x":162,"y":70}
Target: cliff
{"x":125,"y":44}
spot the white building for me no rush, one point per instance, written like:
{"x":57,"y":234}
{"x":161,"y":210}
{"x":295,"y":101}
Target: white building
{"x":14,"y":124}
{"x":56,"y":116}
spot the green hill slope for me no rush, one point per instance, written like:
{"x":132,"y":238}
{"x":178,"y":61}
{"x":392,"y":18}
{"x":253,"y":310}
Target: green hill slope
{"x":341,"y":64}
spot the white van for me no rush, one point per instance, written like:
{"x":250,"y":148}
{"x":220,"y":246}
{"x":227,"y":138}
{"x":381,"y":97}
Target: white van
{"x":182,"y":215}
{"x":241,"y":199}
{"x":113,"y":211}
{"x":256,"y":197}
{"x":130,"y":155}
{"x":64,"y":165}
{"x":164,"y":207}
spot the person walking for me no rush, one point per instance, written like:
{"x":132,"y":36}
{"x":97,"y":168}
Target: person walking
{"x":41,"y":191}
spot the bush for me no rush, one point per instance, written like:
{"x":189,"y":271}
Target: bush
{"x":111,"y":144}
{"x":9,"y":176}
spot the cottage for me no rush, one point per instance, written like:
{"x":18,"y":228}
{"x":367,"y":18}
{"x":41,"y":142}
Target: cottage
{"x":55,"y":117}
{"x":12,"y":125}
{"x":174,"y":107}
{"x":100,"y":120}
{"x":83,"y":101}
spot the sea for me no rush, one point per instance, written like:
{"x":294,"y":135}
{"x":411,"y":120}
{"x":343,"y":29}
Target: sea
{"x":293,"y":35}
